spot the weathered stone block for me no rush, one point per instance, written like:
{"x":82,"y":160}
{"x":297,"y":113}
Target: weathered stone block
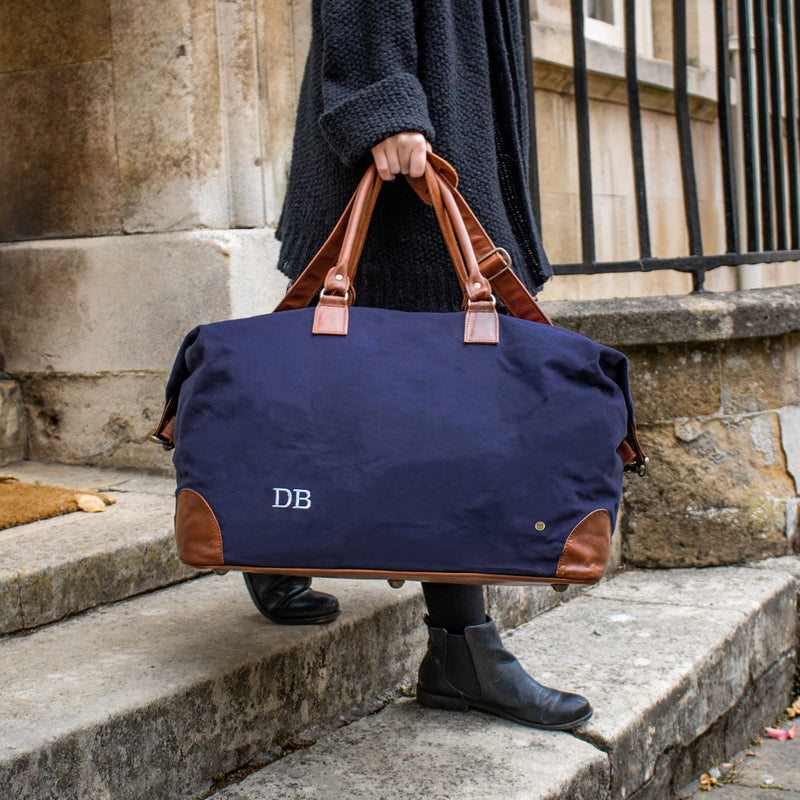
{"x":716,"y":493}
{"x":237,"y":42}
{"x":168,"y":106}
{"x":10,"y":605}
{"x":92,"y":332}
{"x":65,"y":565}
{"x":103,"y":419}
{"x":12,"y":422}
{"x":201,"y":691}
{"x":792,"y":342}
{"x":731,"y":734}
{"x":690,"y":318}
{"x":756,"y":374}
{"x":282,"y":33}
{"x":675,"y":380}
{"x":57,"y":150}
{"x":52,"y":32}
{"x":125,"y":303}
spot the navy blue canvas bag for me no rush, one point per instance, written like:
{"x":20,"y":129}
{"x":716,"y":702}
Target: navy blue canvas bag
{"x":337,"y":440}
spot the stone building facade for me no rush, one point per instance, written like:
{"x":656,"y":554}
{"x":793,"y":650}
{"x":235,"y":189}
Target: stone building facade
{"x":143,"y":158}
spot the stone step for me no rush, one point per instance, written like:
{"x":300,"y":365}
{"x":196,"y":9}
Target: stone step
{"x":57,"y":567}
{"x":681,"y":666}
{"x":155,"y":695}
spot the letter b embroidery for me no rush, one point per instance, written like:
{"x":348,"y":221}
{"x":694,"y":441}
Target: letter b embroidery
{"x":302,"y":498}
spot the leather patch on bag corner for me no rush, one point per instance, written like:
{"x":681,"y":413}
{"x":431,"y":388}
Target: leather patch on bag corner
{"x":587,"y":549}
{"x":197,"y":531}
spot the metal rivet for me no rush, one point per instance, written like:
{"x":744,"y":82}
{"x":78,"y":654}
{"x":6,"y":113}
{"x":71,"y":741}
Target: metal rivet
{"x":339,"y":277}
{"x":476,"y":285}
{"x":540,"y":526}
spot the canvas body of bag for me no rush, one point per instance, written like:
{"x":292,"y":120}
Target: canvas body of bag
{"x":337,"y":440}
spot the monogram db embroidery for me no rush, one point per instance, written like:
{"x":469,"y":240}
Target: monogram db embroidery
{"x":292,"y":498}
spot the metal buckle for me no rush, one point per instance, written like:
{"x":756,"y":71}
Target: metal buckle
{"x":506,"y":257}
{"x":640,"y":469}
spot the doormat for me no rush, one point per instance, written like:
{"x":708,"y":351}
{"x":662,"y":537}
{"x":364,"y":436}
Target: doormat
{"x":21,"y":503}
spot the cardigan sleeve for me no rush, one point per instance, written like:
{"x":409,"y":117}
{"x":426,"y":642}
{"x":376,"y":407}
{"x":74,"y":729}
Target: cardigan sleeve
{"x":370,"y":87}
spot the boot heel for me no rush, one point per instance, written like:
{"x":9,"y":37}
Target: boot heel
{"x":441,"y":701}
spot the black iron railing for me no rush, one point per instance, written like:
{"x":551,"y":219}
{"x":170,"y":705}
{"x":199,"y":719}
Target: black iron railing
{"x":767,"y":107}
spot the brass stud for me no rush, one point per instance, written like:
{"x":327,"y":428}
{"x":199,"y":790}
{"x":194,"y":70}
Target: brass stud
{"x":540,"y":526}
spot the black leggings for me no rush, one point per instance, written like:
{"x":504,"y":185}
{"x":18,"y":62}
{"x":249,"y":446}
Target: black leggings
{"x":454,"y":606}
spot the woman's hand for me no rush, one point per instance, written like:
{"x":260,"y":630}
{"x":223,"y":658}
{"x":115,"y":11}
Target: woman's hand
{"x":401,"y":154}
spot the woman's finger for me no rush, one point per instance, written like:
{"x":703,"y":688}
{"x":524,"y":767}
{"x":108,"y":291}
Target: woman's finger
{"x":417,"y":158}
{"x":381,"y":162}
{"x":393,"y":157}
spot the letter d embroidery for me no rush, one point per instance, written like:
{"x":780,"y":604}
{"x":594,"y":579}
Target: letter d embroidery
{"x":280,"y":494}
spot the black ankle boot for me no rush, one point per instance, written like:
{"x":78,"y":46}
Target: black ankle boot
{"x":476,"y":671}
{"x":289,"y":600}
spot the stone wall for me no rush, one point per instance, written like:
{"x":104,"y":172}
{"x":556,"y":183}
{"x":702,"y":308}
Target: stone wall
{"x":147,"y":144}
{"x":716,"y":382}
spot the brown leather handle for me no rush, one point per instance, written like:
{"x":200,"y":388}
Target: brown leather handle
{"x":492,"y":261}
{"x":331,"y":316}
{"x":340,"y":277}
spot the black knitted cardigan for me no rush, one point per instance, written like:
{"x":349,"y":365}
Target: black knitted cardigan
{"x":451,"y":69}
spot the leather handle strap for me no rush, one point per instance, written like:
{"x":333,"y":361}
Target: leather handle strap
{"x":495,"y":264}
{"x":492,"y":262}
{"x":331,"y":316}
{"x":340,"y":277}
{"x":303,"y":290}
{"x":305,"y":287}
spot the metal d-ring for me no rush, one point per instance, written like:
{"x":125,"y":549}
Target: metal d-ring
{"x":346,"y":295}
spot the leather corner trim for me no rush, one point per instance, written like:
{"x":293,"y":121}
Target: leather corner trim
{"x":587,"y":549}
{"x":197,"y":531}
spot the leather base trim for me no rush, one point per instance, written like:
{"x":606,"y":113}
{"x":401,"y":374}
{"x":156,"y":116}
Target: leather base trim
{"x":587,"y":549}
{"x":387,"y":575}
{"x":197,"y":531}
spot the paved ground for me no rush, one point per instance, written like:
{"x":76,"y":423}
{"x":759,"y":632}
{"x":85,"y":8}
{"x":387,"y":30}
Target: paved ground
{"x":766,"y":771}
